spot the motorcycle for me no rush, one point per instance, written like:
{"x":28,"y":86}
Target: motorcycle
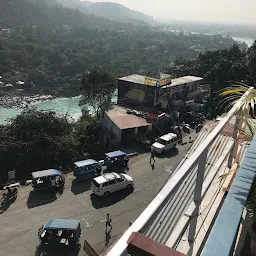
{"x":9,"y":196}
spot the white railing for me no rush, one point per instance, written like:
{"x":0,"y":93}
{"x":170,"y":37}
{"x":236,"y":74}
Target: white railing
{"x":120,"y":247}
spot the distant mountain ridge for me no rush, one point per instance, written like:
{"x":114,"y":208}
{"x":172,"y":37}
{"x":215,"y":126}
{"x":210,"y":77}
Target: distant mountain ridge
{"x":108,"y":10}
{"x":57,"y":13}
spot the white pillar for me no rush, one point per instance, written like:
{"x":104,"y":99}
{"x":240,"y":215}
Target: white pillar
{"x":197,"y":195}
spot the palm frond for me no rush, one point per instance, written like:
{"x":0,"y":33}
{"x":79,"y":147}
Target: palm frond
{"x":233,"y":93}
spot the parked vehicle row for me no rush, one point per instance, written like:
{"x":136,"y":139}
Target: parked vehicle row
{"x":165,"y":143}
{"x":85,"y":169}
{"x":66,"y":233}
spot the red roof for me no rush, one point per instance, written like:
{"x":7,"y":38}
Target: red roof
{"x":119,"y":116}
{"x":150,"y":246}
{"x":129,"y":121}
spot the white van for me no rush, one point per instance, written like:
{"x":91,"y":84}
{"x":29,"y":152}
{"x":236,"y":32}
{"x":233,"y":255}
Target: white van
{"x":165,"y":143}
{"x":111,"y":182}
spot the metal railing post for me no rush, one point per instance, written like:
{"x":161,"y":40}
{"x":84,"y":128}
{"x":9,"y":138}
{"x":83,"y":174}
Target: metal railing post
{"x":197,"y":195}
{"x":234,"y":136}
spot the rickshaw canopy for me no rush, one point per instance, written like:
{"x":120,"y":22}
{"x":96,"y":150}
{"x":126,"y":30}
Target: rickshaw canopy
{"x":62,"y":224}
{"x":115,"y":154}
{"x":85,"y":162}
{"x":45,"y":173}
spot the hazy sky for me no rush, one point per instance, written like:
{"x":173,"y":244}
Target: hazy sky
{"x":234,"y":11}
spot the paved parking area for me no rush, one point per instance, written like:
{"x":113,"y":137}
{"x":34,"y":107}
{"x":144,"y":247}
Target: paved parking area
{"x":21,"y":221}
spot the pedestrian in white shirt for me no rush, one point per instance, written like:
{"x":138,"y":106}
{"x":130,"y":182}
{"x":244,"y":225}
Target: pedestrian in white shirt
{"x":108,"y":221}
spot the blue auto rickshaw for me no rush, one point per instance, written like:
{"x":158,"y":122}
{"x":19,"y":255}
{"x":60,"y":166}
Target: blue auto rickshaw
{"x":60,"y":233}
{"x":87,"y":169}
{"x":47,"y":179}
{"x":116,"y":160}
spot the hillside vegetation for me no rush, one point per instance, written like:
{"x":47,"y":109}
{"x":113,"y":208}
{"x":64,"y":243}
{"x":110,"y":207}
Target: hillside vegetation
{"x":51,"y":46}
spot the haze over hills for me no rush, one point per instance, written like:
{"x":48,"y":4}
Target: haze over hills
{"x":112,"y":11}
{"x":108,"y":10}
{"x":51,"y":12}
{"x":51,"y":45}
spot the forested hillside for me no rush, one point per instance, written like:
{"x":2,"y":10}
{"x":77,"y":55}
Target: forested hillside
{"x":219,"y":69}
{"x":51,"y":46}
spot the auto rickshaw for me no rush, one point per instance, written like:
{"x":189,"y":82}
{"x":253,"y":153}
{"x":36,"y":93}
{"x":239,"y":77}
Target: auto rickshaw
{"x":116,"y":160}
{"x":86,"y":169}
{"x":60,"y":233}
{"x":47,"y":179}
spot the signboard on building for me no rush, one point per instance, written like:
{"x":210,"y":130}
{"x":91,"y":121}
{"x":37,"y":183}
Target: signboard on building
{"x":165,"y":79}
{"x":157,"y":82}
{"x":150,"y":81}
{"x":154,"y":117}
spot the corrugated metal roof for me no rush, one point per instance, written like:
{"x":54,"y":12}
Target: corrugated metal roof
{"x":166,"y":218}
{"x":119,"y":116}
{"x":129,"y":122}
{"x":44,"y":173}
{"x":85,"y":162}
{"x":62,"y":224}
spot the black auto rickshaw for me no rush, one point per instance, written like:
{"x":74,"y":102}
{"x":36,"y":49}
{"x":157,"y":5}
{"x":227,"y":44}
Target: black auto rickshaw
{"x":60,"y":233}
{"x":47,"y":179}
{"x":116,"y":160}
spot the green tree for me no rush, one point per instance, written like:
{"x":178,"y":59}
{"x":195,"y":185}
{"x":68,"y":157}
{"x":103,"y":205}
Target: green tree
{"x":87,"y":137}
{"x":35,"y":141}
{"x":251,"y":60}
{"x":97,"y":87}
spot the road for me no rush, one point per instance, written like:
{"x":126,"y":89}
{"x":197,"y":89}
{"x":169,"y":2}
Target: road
{"x":21,"y":221}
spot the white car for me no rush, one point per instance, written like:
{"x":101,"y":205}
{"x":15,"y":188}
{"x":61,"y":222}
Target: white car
{"x":165,"y":143}
{"x":111,"y":182}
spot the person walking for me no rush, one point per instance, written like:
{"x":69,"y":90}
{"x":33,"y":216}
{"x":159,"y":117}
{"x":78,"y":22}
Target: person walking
{"x":108,"y":221}
{"x":152,"y":160}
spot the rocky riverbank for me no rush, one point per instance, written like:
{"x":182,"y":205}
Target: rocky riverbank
{"x":8,"y":101}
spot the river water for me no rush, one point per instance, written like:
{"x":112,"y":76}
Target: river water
{"x":69,"y":106}
{"x":248,"y":41}
{"x":60,"y":105}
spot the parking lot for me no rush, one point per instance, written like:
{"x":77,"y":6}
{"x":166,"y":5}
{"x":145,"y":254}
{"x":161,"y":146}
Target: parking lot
{"x":21,"y":221}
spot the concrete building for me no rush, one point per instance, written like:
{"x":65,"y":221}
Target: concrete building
{"x":120,"y":127}
{"x":165,"y":94}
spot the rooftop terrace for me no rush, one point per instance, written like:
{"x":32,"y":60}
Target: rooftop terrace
{"x":138,"y":79}
{"x":182,"y":213}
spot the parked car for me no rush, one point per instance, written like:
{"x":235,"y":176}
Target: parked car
{"x":165,"y":143}
{"x":111,"y":182}
{"x":86,"y":169}
{"x":60,"y":233}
